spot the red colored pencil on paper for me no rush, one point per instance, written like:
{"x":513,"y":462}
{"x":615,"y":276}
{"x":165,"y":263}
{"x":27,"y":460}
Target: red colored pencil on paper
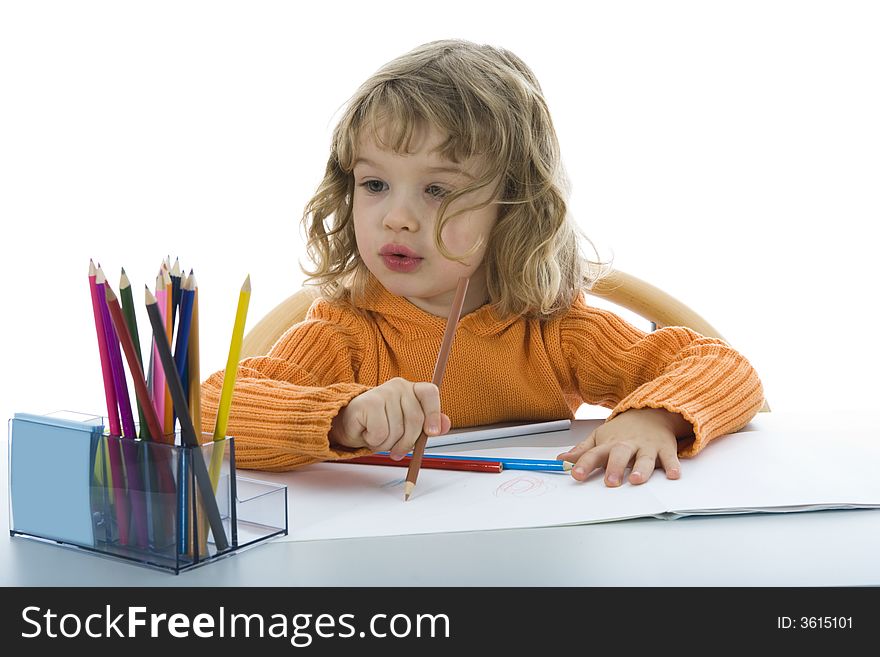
{"x":435,"y":463}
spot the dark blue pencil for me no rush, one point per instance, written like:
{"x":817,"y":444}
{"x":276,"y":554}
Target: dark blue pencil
{"x":508,"y":463}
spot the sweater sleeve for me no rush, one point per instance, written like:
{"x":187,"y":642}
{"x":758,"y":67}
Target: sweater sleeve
{"x":620,"y":367}
{"x":284,"y":403}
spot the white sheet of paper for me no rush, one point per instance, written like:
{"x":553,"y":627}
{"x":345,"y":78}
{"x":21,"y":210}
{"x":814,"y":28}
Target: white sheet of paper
{"x":773,"y":469}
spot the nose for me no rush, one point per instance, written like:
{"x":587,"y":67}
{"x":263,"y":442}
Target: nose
{"x":401,"y":216}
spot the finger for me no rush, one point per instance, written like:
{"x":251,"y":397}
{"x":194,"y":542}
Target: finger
{"x":669,"y":461}
{"x":375,"y":423}
{"x":644,"y":465}
{"x":445,"y":423}
{"x":619,"y":458}
{"x":589,"y":461}
{"x":394,"y":414}
{"x":428,"y":396}
{"x":578,"y":450}
{"x":413,"y":419}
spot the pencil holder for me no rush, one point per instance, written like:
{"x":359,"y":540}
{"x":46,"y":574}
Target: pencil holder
{"x":156,"y":504}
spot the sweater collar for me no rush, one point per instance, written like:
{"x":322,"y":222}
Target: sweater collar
{"x":411,"y":320}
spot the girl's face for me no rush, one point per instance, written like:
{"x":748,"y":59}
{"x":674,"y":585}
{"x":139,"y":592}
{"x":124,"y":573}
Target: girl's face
{"x":396,"y":199}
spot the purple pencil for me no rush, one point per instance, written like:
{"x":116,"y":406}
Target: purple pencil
{"x":129,"y":449}
{"x":116,"y":367}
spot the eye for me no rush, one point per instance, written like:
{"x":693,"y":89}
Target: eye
{"x":436,"y":191}
{"x":373,"y":186}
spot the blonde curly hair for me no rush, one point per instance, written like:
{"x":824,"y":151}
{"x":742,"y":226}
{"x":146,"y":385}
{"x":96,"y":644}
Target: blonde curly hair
{"x":487,"y":103}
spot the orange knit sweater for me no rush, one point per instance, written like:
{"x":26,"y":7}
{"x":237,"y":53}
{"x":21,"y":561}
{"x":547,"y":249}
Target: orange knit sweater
{"x":498,"y":370}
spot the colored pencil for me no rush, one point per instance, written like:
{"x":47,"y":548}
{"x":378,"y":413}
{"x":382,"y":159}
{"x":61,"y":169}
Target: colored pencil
{"x":122,"y":398}
{"x":195,"y":390}
{"x":154,"y":463}
{"x":127,"y":502}
{"x":439,"y":368}
{"x":176,"y":290}
{"x":181,"y":347}
{"x":115,"y":474}
{"x":131,"y":324}
{"x":188,"y":437}
{"x":195,"y":401}
{"x":134,"y":365}
{"x":181,"y":344}
{"x":428,"y":463}
{"x":136,"y":488}
{"x":548,"y":465}
{"x":109,"y":386}
{"x":244,"y":297}
{"x":158,"y":374}
{"x":168,"y":422}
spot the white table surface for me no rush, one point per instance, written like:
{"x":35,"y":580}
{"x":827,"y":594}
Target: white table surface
{"x":817,"y":548}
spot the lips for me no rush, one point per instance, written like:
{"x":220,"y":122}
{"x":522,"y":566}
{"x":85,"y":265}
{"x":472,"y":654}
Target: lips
{"x":398,"y":250}
{"x":399,"y":258}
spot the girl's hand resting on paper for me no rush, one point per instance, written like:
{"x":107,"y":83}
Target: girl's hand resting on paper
{"x":641,"y":437}
{"x":390,"y":417}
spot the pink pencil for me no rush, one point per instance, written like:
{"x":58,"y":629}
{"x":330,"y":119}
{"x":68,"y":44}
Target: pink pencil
{"x":109,"y":386}
{"x":158,"y":372}
{"x":116,"y":471}
{"x":168,"y":317}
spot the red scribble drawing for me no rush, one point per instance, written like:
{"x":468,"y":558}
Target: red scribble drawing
{"x":524,"y":486}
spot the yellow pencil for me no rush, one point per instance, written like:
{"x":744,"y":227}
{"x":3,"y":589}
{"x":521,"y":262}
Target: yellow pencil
{"x":244,"y":298}
{"x":232,"y":361}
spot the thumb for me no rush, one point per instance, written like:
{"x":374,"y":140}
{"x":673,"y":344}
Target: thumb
{"x":445,"y":423}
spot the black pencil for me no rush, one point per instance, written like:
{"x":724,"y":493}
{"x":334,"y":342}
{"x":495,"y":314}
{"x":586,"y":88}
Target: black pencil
{"x":187,"y":431}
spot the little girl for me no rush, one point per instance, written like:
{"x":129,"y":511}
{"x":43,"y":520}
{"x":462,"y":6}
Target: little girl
{"x":446,"y":164}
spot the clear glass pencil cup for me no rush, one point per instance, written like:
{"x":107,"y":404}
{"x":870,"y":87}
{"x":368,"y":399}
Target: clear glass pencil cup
{"x":155,"y":503}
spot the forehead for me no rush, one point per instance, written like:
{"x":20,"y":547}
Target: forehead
{"x":428,"y":145}
{"x":419,"y":140}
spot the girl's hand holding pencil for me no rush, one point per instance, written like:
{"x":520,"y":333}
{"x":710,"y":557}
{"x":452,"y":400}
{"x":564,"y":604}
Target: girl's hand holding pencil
{"x":390,"y":417}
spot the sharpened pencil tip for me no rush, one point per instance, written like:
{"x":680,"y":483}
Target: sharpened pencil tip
{"x":407,"y":490}
{"x":92,"y":270}
{"x":246,"y":286}
{"x":149,"y":296}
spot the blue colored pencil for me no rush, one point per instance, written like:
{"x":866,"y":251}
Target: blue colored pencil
{"x":508,"y":463}
{"x":183,"y":327}
{"x":184,"y":303}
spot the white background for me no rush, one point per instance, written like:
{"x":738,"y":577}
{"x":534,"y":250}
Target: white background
{"x":728,"y":152}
